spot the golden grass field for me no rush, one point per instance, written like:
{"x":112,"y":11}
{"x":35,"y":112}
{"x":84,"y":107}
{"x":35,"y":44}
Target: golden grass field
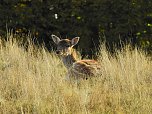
{"x":32,"y":82}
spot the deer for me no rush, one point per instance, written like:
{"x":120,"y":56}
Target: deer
{"x":77,"y":69}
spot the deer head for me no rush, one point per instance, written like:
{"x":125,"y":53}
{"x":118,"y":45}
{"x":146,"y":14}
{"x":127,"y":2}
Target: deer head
{"x":64,"y":46}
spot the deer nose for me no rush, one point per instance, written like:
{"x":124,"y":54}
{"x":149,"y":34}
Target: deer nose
{"x":57,"y":51}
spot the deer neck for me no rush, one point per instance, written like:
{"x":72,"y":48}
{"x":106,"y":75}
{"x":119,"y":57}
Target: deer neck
{"x":69,"y":59}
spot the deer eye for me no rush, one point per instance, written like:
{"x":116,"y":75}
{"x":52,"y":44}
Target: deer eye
{"x":68,"y":45}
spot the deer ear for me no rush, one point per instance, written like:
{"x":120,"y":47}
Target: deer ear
{"x":75,"y":40}
{"x":55,"y":39}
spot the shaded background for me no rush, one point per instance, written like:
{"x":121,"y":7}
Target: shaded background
{"x":113,"y":21}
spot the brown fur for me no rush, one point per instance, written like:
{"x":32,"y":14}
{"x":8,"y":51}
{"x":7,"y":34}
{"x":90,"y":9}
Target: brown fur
{"x":85,"y":68}
{"x":76,"y":69}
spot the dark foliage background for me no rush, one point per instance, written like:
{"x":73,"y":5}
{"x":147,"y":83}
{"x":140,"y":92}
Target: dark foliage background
{"x":113,"y":21}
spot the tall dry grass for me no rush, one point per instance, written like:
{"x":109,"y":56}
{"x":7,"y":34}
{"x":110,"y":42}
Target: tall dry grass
{"x":32,"y":82}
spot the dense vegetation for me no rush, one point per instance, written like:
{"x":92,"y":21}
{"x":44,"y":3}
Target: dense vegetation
{"x":110,"y":20}
{"x":32,"y":77}
{"x":32,"y":82}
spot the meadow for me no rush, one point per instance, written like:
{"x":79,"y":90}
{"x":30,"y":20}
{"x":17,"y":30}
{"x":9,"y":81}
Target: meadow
{"x":32,"y":82}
